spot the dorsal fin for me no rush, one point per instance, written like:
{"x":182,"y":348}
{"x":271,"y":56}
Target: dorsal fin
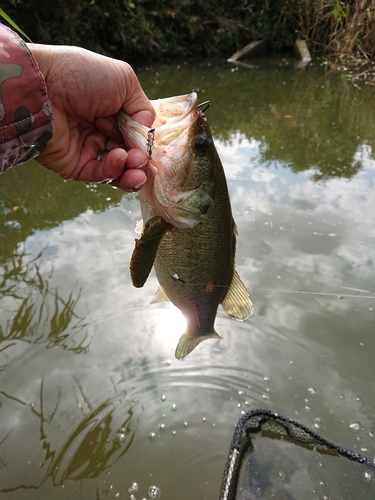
{"x":237,"y":302}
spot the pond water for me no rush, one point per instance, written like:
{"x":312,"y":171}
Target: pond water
{"x":92,"y":399}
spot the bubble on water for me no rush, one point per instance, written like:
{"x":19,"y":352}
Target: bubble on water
{"x":312,"y":391}
{"x":204,"y":419}
{"x":238,"y":405}
{"x":355,"y":426}
{"x":168,"y":362}
{"x":121,"y":437}
{"x":264,"y":396}
{"x":164,"y":397}
{"x":185,"y":424}
{"x":174,"y":407}
{"x":174,"y":433}
{"x":281,"y":475}
{"x":152,"y":435}
{"x":133,"y":487}
{"x":368,"y":476}
{"x":241,"y":393}
{"x":161,"y":427}
{"x":371,"y":309}
{"x":154,"y":492}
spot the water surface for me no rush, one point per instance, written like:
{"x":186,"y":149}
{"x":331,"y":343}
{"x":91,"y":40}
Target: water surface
{"x":91,"y":397}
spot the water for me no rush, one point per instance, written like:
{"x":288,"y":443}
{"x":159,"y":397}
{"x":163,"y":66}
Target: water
{"x":92,"y":401}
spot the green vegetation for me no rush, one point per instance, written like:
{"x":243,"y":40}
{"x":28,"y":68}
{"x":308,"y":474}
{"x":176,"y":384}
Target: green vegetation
{"x":337,"y":30}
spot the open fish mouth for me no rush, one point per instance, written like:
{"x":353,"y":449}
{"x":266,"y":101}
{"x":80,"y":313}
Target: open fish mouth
{"x":171,"y":110}
{"x":174,"y":116}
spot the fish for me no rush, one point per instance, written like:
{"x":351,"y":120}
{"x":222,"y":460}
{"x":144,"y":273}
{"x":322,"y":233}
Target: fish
{"x":189,"y":234}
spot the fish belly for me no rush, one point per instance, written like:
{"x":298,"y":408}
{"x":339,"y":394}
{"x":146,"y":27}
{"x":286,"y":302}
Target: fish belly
{"x":194,"y":267}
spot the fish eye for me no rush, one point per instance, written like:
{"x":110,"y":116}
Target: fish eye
{"x":201,"y":144}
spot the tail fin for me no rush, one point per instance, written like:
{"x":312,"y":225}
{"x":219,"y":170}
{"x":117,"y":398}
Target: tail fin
{"x":187,"y":343}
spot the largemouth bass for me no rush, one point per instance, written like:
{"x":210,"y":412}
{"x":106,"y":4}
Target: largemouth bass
{"x":189,"y":234}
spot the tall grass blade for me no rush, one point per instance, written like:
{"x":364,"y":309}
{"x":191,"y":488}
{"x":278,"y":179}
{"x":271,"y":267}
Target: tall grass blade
{"x":13,"y":24}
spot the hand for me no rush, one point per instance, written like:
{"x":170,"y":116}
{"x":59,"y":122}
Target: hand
{"x":86,"y":90}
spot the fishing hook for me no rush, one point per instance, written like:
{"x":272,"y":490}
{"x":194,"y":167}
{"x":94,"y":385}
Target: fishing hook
{"x":206,"y":104}
{"x":150,"y":142}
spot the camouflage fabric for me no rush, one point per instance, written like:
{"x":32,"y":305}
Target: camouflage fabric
{"x":25,"y":111}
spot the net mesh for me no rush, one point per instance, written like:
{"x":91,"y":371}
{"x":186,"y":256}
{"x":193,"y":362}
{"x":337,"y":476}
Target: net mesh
{"x":273,"y":457}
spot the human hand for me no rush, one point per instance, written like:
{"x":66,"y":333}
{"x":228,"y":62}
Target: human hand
{"x":86,"y":90}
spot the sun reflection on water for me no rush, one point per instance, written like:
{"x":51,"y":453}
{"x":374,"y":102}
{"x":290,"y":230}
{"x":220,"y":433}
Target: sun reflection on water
{"x":170,"y":324}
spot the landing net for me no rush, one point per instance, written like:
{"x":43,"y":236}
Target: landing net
{"x":273,"y":457}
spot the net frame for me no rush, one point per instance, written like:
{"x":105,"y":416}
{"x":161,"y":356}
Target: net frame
{"x":252,"y":422}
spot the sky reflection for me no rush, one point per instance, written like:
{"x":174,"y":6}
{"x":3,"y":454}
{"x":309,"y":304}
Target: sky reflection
{"x":306,"y":355}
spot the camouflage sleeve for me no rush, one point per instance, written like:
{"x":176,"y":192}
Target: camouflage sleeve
{"x":25,"y":111}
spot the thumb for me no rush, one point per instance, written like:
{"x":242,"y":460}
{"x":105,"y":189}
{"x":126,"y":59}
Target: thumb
{"x":136,"y":104}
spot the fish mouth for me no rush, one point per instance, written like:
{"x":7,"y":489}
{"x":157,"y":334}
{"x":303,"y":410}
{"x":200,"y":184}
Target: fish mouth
{"x":174,"y":116}
{"x":171,"y":110}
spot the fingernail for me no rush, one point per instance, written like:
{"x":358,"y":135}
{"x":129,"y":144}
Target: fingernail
{"x":143,"y":164}
{"x":139,"y":186}
{"x":123,"y":159}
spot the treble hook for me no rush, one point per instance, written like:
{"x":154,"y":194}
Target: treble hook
{"x":206,"y":104}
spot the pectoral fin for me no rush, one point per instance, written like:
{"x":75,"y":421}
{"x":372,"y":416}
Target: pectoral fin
{"x":145,"y":249}
{"x":237,"y":302}
{"x":187,"y":343}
